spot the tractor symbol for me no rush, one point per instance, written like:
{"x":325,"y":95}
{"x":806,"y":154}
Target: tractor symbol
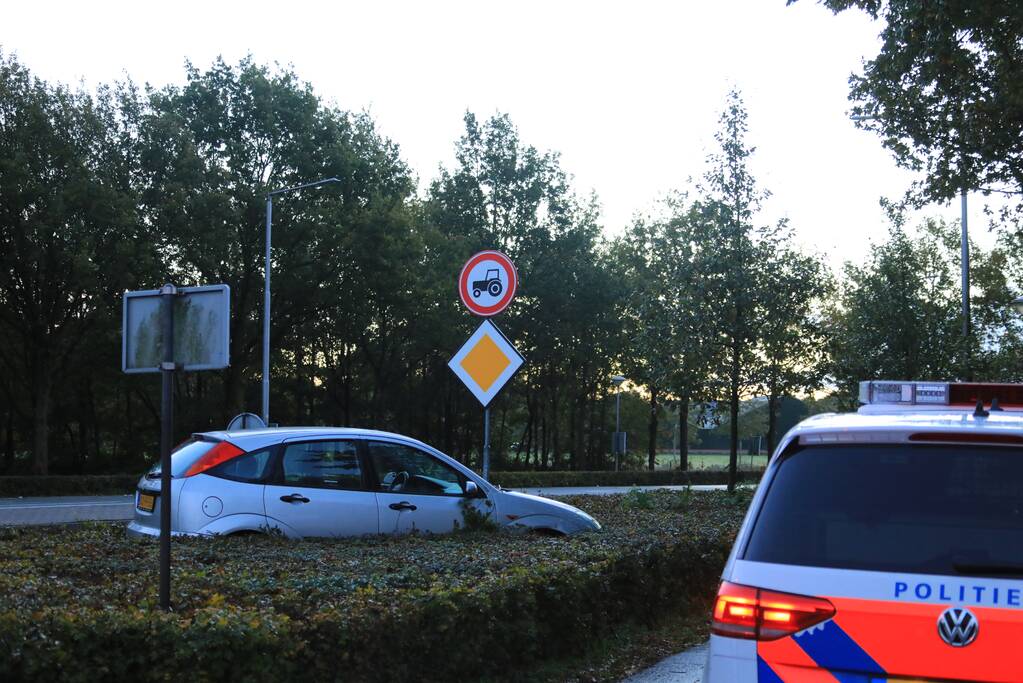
{"x":491,"y":285}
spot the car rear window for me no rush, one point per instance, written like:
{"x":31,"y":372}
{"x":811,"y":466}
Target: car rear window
{"x":183,"y":457}
{"x":926,"y":509}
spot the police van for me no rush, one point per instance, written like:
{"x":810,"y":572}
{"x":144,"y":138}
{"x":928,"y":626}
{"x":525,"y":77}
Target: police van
{"x":883,"y":545}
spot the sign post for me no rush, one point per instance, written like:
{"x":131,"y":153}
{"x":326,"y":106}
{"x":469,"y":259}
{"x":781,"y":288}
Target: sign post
{"x":167,"y":366}
{"x":166,"y":330}
{"x":486,"y":362}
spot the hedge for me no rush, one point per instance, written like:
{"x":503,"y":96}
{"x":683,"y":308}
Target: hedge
{"x":67,"y":485}
{"x":78,"y":604}
{"x":547,"y":479}
{"x":61,"y":485}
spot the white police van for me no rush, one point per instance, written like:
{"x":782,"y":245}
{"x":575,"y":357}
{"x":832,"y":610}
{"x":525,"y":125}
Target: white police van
{"x":883,"y":545}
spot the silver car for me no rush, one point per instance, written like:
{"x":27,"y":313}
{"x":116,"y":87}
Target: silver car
{"x":318,"y":481}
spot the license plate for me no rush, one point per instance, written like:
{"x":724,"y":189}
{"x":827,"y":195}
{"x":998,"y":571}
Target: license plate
{"x":147,"y":502}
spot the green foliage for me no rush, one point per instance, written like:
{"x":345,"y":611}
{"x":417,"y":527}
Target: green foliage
{"x":947,"y":91}
{"x":638,"y":499}
{"x":899,"y":315}
{"x":644,"y":477}
{"x":255,"y":608}
{"x":70,"y":237}
{"x":477,"y":515}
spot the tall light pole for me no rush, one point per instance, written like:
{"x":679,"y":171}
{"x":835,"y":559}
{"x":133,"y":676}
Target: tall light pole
{"x":964,"y":246}
{"x":618,"y":379}
{"x":266,"y":289}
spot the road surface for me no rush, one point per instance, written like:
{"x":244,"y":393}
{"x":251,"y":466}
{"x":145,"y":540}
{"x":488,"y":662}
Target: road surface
{"x":64,"y":509}
{"x":685,"y":667}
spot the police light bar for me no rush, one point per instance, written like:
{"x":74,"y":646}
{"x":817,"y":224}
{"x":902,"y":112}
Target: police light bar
{"x":879,"y":392}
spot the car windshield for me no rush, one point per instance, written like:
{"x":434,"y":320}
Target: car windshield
{"x":183,"y":457}
{"x":911,"y":508}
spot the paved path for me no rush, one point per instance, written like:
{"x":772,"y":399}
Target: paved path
{"x":65,"y":509}
{"x":685,"y":667}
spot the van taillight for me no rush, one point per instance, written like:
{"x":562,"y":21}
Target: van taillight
{"x":222,"y":452}
{"x":757,"y":614}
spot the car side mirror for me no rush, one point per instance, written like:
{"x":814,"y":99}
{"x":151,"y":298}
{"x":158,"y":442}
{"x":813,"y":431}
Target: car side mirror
{"x":473,"y":491}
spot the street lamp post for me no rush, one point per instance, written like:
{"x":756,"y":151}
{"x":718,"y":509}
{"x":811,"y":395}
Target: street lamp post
{"x":266,"y":289}
{"x":618,"y":379}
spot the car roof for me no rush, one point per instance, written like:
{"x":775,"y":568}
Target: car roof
{"x":894,"y":424}
{"x":255,"y":438}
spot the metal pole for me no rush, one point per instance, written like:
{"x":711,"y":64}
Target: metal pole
{"x":166,"y":435}
{"x":966,"y":291}
{"x":486,"y":442}
{"x":266,"y":290}
{"x":618,"y":427}
{"x":266,"y":317}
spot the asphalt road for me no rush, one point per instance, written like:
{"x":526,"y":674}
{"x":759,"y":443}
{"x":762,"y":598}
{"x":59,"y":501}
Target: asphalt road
{"x":685,"y":667}
{"x":65,"y":509}
{"x":68,"y":509}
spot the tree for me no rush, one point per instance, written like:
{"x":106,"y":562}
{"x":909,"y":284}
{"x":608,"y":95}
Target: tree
{"x":898,"y":316}
{"x":731,"y":200}
{"x":947,"y":91}
{"x":672,"y":310}
{"x":793,"y":342}
{"x":212,"y":149}
{"x":70,"y":241}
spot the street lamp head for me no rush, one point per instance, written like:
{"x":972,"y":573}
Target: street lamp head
{"x":1017,"y":304}
{"x":618,"y":379}
{"x":304,"y":186}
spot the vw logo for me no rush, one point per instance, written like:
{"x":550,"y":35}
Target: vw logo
{"x":958,"y":627}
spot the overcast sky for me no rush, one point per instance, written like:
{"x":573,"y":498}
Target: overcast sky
{"x":628,"y":93}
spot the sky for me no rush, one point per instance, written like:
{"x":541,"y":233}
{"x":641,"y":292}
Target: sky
{"x":628,"y":93}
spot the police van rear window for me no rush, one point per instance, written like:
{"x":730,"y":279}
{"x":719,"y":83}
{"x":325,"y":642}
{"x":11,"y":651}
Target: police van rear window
{"x":926,"y":509}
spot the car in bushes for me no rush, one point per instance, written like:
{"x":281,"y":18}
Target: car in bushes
{"x":325,"y":482}
{"x":885,"y":544}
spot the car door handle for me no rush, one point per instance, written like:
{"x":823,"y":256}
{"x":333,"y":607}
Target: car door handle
{"x":295,"y":498}
{"x":402,"y":506}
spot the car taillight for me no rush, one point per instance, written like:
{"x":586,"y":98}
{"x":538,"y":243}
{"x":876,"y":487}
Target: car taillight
{"x":757,"y":614}
{"x":222,"y":452}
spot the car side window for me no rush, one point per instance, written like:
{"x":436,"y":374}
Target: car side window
{"x":322,"y":464}
{"x":403,"y":469}
{"x":250,"y":467}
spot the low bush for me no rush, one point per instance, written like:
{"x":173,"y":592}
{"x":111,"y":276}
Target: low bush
{"x":68,"y":485}
{"x":545,"y":479}
{"x":85,"y":485}
{"x":79,"y":604}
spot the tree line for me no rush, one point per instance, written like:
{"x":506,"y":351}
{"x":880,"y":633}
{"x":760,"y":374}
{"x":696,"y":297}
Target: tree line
{"x":699,"y":302}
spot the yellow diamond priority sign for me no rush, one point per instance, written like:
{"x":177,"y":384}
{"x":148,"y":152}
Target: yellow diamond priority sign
{"x":486,"y":362}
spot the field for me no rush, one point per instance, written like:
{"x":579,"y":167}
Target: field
{"x":703,"y":460}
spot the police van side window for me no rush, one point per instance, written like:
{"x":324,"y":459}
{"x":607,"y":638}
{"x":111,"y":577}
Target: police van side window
{"x":925,"y":509}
